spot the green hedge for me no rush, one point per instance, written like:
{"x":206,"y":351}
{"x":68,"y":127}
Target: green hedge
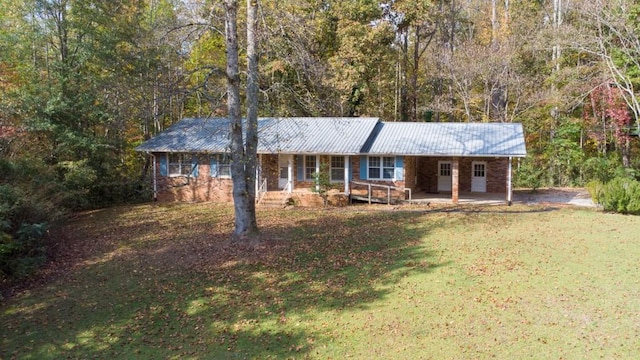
{"x":621,"y":195}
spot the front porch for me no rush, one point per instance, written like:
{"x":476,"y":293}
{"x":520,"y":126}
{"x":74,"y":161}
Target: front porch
{"x":466,"y":198}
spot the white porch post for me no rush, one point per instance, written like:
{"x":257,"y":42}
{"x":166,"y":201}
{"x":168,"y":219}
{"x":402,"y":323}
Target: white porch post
{"x":455,"y":181}
{"x":347,"y":171}
{"x":290,"y":174}
{"x":509,"y":186}
{"x":317,"y":170}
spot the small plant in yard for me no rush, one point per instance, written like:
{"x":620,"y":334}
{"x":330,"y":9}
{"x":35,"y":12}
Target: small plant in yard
{"x":323,"y":183}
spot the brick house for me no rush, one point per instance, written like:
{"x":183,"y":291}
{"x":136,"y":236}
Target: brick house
{"x":364,"y":157}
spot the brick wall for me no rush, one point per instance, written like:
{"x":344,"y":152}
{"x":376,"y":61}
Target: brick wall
{"x":197,"y":189}
{"x":496,"y":171}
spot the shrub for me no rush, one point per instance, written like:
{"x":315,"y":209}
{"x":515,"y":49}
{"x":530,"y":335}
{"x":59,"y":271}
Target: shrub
{"x":621,"y":195}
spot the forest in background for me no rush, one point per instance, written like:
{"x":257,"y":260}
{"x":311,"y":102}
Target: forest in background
{"x":83,"y":82}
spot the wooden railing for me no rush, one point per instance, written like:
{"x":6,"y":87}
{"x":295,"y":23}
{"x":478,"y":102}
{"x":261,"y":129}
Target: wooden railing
{"x":387,"y":187}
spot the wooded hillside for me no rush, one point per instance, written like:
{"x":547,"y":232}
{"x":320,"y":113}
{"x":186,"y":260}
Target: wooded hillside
{"x":82,"y":82}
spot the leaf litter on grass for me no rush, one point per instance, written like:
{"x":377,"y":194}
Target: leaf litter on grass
{"x":360,"y":282}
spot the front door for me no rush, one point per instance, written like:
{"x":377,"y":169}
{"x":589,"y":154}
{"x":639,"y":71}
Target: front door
{"x":284,"y":162}
{"x":444,"y":175}
{"x":478,"y":176}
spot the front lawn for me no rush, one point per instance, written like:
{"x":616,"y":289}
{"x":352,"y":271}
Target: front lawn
{"x":162,"y":281}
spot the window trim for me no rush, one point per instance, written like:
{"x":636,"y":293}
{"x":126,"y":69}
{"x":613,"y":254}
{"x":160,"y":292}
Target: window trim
{"x":342,"y":169}
{"x":381,"y":168}
{"x":313,"y":169}
{"x":182,"y":164}
{"x":222,"y":160}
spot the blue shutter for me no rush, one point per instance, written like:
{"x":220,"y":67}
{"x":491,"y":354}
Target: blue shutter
{"x":300,"y":164}
{"x":348,"y":165}
{"x":363,"y":167}
{"x":399,"y":170}
{"x":194,"y":165}
{"x":213,"y":165}
{"x":164,"y":167}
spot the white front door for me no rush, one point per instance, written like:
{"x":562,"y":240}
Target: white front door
{"x":284,"y":162}
{"x":444,"y":175}
{"x":478,"y":176}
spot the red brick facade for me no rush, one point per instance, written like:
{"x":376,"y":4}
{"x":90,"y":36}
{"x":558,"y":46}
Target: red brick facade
{"x":420,"y":174}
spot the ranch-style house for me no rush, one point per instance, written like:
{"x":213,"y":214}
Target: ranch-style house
{"x":366,"y":159}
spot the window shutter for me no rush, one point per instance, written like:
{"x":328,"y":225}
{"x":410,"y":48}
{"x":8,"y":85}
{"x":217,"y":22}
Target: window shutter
{"x":348,"y":165}
{"x":363,"y":167}
{"x":194,"y":165}
{"x":300,"y":165}
{"x":399,"y":170}
{"x":213,"y":166}
{"x":164,"y":168}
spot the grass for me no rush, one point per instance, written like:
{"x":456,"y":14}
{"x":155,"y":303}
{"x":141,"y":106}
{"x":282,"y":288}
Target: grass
{"x":163,"y":281}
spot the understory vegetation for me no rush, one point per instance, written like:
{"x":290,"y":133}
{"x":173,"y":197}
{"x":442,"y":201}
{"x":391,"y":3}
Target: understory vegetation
{"x":83,"y":82}
{"x":364,"y":282}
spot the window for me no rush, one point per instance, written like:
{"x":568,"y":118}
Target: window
{"x":309,"y":166}
{"x":478,"y":170}
{"x":180,"y":164}
{"x":337,"y":168}
{"x":381,"y":167}
{"x":220,"y":166}
{"x":445,"y":169}
{"x":224,"y":166}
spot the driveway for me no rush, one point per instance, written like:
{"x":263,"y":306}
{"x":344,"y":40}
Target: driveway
{"x":566,"y":196}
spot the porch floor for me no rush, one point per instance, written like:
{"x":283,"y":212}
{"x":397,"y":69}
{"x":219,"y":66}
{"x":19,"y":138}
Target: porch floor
{"x":463,"y":198}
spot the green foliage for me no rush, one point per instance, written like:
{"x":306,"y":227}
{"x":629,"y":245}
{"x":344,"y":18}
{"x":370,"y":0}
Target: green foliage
{"x":21,"y":237}
{"x":323,"y":183}
{"x":529,"y":174}
{"x":621,"y":195}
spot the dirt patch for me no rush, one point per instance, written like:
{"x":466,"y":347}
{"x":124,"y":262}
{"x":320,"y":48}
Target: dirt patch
{"x":565,"y":196}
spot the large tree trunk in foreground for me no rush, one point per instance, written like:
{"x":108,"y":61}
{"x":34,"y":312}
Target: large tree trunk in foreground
{"x":242,"y":162}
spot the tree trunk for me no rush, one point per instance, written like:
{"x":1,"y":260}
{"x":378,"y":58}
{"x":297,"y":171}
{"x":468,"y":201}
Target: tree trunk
{"x":244,"y":206}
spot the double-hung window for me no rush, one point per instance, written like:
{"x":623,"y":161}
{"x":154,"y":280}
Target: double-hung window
{"x":310,"y":162}
{"x":381,"y":167}
{"x":180,"y":164}
{"x":337,"y":168}
{"x":224,"y":166}
{"x":221,"y":166}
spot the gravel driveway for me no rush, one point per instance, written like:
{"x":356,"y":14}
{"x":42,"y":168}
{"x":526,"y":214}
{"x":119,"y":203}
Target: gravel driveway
{"x":566,"y":196}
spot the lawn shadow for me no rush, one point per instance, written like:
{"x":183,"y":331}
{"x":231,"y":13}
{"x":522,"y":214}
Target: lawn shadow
{"x":190,"y":292}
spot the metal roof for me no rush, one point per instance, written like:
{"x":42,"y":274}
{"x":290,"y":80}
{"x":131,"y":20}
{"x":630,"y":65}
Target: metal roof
{"x":191,"y":135}
{"x":314,"y":135}
{"x":275,"y":135}
{"x":448,"y":139}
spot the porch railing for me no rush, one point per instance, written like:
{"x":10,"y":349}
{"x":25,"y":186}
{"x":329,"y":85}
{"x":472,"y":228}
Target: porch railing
{"x":262,"y":189}
{"x":387,"y":187}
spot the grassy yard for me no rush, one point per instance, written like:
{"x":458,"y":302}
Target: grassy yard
{"x":163,"y":282}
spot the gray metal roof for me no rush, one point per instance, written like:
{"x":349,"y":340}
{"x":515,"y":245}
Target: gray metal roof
{"x":191,"y":135}
{"x":275,"y":135}
{"x":314,"y":135}
{"x":448,"y":139}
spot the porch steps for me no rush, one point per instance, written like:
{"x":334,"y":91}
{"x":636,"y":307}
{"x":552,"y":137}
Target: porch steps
{"x":273,"y":199}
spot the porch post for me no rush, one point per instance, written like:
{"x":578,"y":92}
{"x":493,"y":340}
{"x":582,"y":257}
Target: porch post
{"x":155,"y":178}
{"x":290,"y":174}
{"x":455,"y":165}
{"x":317,"y":170}
{"x":347,"y":171}
{"x":509,"y":186}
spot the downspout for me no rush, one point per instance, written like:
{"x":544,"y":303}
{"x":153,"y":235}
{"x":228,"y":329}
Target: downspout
{"x":155,"y":180}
